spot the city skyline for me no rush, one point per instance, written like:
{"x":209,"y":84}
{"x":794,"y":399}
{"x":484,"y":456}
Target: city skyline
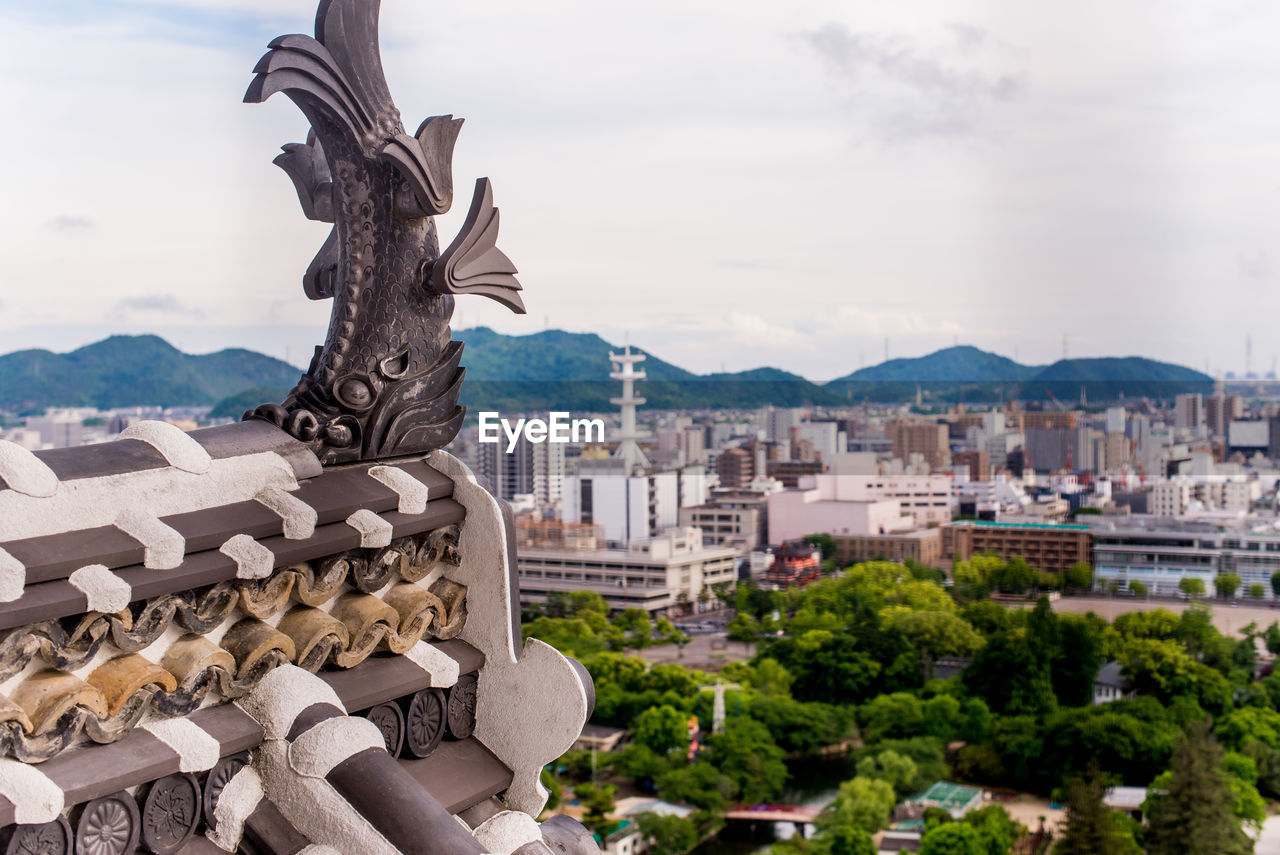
{"x":823,"y":179}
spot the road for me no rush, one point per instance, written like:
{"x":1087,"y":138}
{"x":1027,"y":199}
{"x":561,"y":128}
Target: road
{"x":1227,"y":618}
{"x":1269,"y":843}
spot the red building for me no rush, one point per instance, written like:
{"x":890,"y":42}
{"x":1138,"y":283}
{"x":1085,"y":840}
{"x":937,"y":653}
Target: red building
{"x":794,"y":563}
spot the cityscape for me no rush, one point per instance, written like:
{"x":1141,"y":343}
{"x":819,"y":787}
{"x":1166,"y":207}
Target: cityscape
{"x":696,"y":538}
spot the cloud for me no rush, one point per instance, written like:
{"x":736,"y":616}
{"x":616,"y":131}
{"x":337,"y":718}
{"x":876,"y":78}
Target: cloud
{"x":915,"y":91}
{"x":152,"y":306}
{"x":70,"y":224}
{"x":1254,"y":265}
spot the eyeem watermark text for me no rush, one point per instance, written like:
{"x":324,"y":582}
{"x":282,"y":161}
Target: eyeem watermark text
{"x":557,"y":427}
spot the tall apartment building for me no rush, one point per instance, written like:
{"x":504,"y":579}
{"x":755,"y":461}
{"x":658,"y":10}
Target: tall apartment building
{"x":1188,"y":411}
{"x":736,"y":467}
{"x":530,"y":468}
{"x":1220,"y":411}
{"x":932,"y":441}
{"x":1046,"y":419}
{"x":1052,"y":449}
{"x":979,"y":463}
{"x":824,"y":437}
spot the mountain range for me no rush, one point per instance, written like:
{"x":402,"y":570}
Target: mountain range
{"x":557,"y":369}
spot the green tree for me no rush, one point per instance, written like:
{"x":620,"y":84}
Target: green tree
{"x":1090,"y":827}
{"x":1227,"y":584}
{"x":744,"y":628}
{"x":890,"y":766}
{"x":892,"y":716}
{"x":671,"y":835}
{"x":1195,"y":815}
{"x":699,"y":783}
{"x":1191,"y":586}
{"x":747,"y":754}
{"x":825,"y":542}
{"x":1139,"y":589}
{"x":952,"y":838}
{"x":662,"y":729}
{"x":1016,"y":577}
{"x":862,"y":803}
{"x":1079,"y":576}
{"x":1257,"y":591}
{"x":635,"y":623}
{"x":849,"y":841}
{"x":597,"y":802}
{"x":1275,"y":583}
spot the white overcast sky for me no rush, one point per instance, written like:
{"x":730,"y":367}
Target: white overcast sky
{"x":733,"y":183}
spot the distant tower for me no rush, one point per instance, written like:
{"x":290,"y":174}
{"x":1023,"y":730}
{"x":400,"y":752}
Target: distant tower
{"x":624,"y":370}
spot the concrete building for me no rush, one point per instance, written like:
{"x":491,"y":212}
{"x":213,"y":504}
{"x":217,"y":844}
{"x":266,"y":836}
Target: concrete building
{"x":630,"y":506}
{"x":923,"y":545}
{"x":789,"y":472}
{"x":1046,"y":419}
{"x":665,"y":574}
{"x":737,"y":523}
{"x":736,"y":467}
{"x":530,"y":468}
{"x":978,"y":463}
{"x":825,"y":438}
{"x":1188,"y":411}
{"x":1051,"y":449}
{"x":1220,"y":411}
{"x":927,"y":498}
{"x":830,"y":505}
{"x":932,"y":441}
{"x":1044,"y":546}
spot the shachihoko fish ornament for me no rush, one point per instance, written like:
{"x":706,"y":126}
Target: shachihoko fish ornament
{"x":385,"y":382}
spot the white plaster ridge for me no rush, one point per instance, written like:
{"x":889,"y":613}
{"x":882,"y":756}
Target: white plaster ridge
{"x":107,"y":592}
{"x":442,"y":667}
{"x":253,"y":560}
{"x":196,"y":748}
{"x":283,"y":693}
{"x":26,"y":473}
{"x":83,"y":503}
{"x":412,"y":492}
{"x":35,"y":797}
{"x":239,"y":799}
{"x":298,"y":517}
{"x":13,"y":577}
{"x":507,"y":831}
{"x":177,"y":446}
{"x":163,"y":548}
{"x":374,"y":530}
{"x":315,"y":752}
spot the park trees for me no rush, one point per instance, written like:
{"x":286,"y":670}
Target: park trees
{"x":1227,"y":584}
{"x":1090,"y":827}
{"x":861,"y":803}
{"x":1079,"y":576}
{"x":1191,"y":586}
{"x":1195,"y":813}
